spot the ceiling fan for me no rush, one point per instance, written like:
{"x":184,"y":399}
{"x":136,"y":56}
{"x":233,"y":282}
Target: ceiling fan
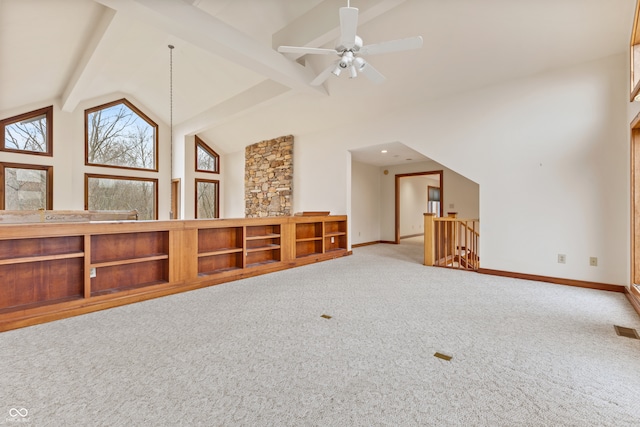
{"x":351,"y":50}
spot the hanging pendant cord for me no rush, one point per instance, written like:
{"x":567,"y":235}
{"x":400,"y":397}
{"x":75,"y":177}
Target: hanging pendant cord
{"x":171,"y":89}
{"x":171,"y":213}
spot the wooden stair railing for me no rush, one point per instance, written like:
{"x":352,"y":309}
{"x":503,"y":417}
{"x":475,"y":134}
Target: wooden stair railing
{"x":451,"y":242}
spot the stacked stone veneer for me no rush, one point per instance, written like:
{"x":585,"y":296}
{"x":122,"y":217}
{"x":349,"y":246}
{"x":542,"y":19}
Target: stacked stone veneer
{"x":268,"y":178}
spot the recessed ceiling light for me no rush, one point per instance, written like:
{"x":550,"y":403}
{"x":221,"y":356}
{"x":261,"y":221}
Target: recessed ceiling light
{"x":383,"y":151}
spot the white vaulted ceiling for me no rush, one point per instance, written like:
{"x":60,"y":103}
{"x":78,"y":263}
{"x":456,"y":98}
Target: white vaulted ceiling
{"x":233,"y":88}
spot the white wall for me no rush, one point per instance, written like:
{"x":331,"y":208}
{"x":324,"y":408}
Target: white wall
{"x":232,"y":192}
{"x":413,"y":203}
{"x":365,"y":203}
{"x":550,"y":153}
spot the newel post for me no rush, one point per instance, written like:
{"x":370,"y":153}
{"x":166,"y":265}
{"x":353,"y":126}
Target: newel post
{"x":429,"y":239}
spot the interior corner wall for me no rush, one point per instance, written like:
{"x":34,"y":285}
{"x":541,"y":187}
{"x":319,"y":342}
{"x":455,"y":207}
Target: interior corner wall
{"x":365,"y":203}
{"x":187,"y":150}
{"x":232,"y":192}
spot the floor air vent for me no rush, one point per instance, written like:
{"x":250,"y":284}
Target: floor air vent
{"x":626,"y":332}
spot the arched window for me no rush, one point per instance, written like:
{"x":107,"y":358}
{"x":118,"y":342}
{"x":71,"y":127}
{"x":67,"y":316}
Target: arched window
{"x":119,"y":135}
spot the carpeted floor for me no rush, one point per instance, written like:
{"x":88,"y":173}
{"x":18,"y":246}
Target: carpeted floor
{"x":257,"y":352}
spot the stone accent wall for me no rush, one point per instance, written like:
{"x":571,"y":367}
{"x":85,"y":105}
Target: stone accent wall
{"x":268,"y":178}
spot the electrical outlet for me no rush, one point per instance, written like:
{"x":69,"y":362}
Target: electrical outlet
{"x":562,"y":259}
{"x":92,"y":272}
{"x":593,"y":261}
{"x":333,"y":240}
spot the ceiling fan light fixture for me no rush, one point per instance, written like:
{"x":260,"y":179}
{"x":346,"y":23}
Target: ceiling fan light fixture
{"x":349,"y":45}
{"x":353,"y":72}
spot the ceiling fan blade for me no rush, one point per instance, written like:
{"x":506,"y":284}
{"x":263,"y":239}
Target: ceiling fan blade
{"x":324,"y":75}
{"x":306,"y":50}
{"x":392,"y":46}
{"x":348,"y":26}
{"x":371,"y":73}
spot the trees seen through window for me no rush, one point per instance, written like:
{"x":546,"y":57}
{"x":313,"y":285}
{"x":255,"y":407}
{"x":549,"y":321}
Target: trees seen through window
{"x":120,"y":135}
{"x":207,"y":160}
{"x":29,"y":133}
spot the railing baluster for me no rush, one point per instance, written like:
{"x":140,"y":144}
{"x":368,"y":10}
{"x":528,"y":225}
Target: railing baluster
{"x":456,"y":240}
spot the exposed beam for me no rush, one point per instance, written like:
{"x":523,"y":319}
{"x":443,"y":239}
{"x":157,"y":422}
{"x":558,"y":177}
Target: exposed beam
{"x":197,"y":27}
{"x":89,"y":62}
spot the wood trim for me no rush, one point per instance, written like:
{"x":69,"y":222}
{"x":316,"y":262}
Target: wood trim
{"x":200,"y":143}
{"x":411,"y":235}
{"x":633,"y":299}
{"x":555,"y":280}
{"x":397,"y":196}
{"x":634,"y":91}
{"x":175,"y":199}
{"x":359,"y":245}
{"x":216,"y":184}
{"x":635,"y":40}
{"x":49,"y":184}
{"x":48,"y":113}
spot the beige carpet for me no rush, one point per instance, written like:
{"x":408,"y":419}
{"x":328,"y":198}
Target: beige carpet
{"x":258,"y":353}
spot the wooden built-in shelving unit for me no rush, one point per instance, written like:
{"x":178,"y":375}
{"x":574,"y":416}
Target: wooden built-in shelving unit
{"x":50,"y":271}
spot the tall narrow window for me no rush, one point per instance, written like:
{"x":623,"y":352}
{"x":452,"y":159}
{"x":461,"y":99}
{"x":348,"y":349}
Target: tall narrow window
{"x":26,"y":187}
{"x":108,"y":192}
{"x":207,"y":160}
{"x":207,"y":198}
{"x":29,"y":133}
{"x":119,"y":135}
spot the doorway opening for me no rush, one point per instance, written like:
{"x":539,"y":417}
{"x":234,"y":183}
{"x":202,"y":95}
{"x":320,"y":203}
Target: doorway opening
{"x":418,"y":190}
{"x":175,"y":199}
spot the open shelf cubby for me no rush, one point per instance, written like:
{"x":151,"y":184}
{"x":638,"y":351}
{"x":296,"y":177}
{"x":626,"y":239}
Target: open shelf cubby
{"x":308,"y":231}
{"x":41,"y":247}
{"x":335,"y":236}
{"x":263,"y":256}
{"x":219,"y":263}
{"x":212,"y":240}
{"x":38,"y":271}
{"x":120,"y":277}
{"x":308,"y":247}
{"x":107,"y":248}
{"x":262,"y":244}
{"x":38,"y":282}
